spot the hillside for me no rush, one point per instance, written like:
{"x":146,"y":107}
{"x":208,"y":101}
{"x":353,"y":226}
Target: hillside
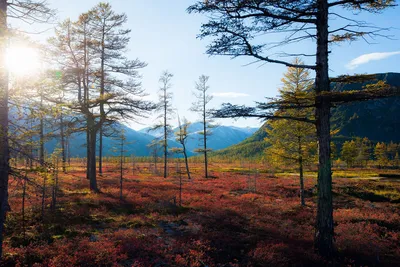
{"x":378,"y":120}
{"x":221,"y":137}
{"x":251,"y":147}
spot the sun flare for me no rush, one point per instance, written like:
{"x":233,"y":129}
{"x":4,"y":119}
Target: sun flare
{"x":23,"y":61}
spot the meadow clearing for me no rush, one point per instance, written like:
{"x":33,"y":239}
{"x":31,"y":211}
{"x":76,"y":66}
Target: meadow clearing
{"x":242,"y":216}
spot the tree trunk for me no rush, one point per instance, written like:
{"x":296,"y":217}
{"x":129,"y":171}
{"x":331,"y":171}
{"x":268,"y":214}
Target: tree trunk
{"x":4,"y":148}
{"x":324,"y":233}
{"x":92,"y":156}
{"x":101,"y":150}
{"x":63,"y":150}
{"x":300,"y":151}
{"x":41,"y":132}
{"x":43,"y":195}
{"x":303,"y":203}
{"x":121,"y":170}
{"x":205,"y":135}
{"x":102,"y":91}
{"x":165,"y":133}
{"x":186,"y":161}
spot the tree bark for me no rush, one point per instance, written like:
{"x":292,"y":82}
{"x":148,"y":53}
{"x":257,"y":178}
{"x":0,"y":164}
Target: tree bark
{"x":4,"y":146}
{"x":92,"y":156}
{"x":186,"y":161}
{"x":102,"y":91}
{"x":63,"y":150}
{"x":205,"y":135}
{"x":101,"y":150}
{"x":121,"y":170}
{"x":165,"y":133}
{"x":301,"y":174}
{"x":324,"y":233}
{"x":41,"y":131}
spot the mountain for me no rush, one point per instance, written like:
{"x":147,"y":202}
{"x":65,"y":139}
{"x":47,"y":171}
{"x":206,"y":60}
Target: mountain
{"x":221,"y":137}
{"x":252,"y":147}
{"x":137,"y":141}
{"x":378,"y":120}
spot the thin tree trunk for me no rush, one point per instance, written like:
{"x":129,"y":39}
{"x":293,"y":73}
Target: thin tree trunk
{"x":41,"y":132}
{"x":121,"y":169}
{"x":88,"y":155}
{"x":102,"y":91}
{"x":101,"y":150}
{"x":165,"y":133}
{"x":4,"y":148}
{"x":205,"y":135}
{"x":324,"y":233}
{"x":186,"y":160}
{"x":63,"y":154}
{"x":92,"y":161}
{"x":23,"y":201}
{"x":300,"y":151}
{"x":68,"y":153}
{"x":43,"y":196}
{"x":303,"y":203}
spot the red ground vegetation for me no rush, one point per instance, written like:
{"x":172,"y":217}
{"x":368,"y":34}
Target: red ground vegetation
{"x":221,"y":222}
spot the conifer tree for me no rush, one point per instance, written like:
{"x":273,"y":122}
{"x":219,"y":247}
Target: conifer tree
{"x":380,"y":154}
{"x":26,"y":11}
{"x":349,"y":152}
{"x":293,"y":141}
{"x":235,"y":27}
{"x":181,"y":136}
{"x":109,"y":42}
{"x":201,"y":107}
{"x":164,"y":106}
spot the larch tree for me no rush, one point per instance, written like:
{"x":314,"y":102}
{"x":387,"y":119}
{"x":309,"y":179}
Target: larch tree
{"x":241,"y":27}
{"x":203,"y":98}
{"x":30,"y":11}
{"x":109,"y":42}
{"x":349,"y":152}
{"x":293,"y":141}
{"x":182,"y":136}
{"x":164,"y":106}
{"x":380,"y":154}
{"x":104,"y":86}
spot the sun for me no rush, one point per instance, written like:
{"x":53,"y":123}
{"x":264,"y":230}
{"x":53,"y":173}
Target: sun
{"x":23,"y":61}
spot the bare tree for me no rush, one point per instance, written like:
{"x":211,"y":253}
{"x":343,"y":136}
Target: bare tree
{"x":181,"y":136}
{"x":165,"y":107}
{"x":236,"y":27}
{"x":108,"y":89}
{"x":200,"y":106}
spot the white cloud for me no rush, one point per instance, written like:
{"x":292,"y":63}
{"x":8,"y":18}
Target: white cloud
{"x":363,"y":59}
{"x":230,"y":95}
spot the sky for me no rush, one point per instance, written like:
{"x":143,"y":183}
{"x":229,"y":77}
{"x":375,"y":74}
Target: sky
{"x":164,"y":35}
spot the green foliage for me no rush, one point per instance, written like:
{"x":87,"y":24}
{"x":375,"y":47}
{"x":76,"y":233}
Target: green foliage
{"x":292,"y":141}
{"x":349,"y":152}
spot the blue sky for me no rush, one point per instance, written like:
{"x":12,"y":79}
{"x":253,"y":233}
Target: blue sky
{"x":164,"y":36}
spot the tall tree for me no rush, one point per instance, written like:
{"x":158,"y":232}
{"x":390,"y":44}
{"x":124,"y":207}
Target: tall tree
{"x":200,"y":106}
{"x":165,"y":108}
{"x":236,"y":26}
{"x":28,"y":11}
{"x":293,"y":141}
{"x":109,"y":41}
{"x":108,"y":89}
